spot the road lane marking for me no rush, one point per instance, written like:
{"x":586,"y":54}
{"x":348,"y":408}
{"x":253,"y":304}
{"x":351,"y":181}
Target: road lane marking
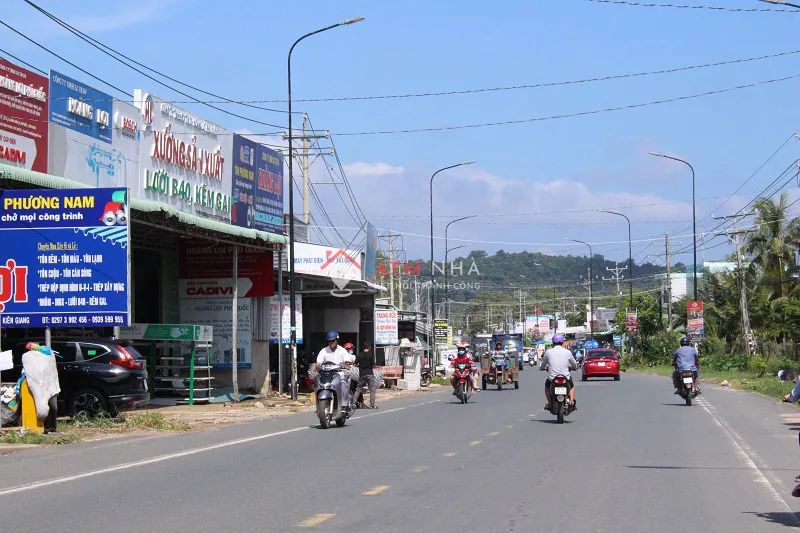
{"x":475,"y":442}
{"x":493,"y":433}
{"x":746,"y":453}
{"x":177,"y":455}
{"x":315,"y":520}
{"x":511,"y":426}
{"x":374,"y":491}
{"x":450,"y":454}
{"x":418,"y":469}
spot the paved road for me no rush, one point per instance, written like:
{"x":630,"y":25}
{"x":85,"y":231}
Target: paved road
{"x":632,"y":459}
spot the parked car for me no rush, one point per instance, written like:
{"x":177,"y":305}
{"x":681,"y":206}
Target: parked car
{"x":600,"y":362}
{"x":94,"y":375}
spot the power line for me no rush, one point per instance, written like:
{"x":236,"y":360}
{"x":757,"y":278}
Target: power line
{"x":103,"y":47}
{"x":679,"y":6}
{"x":572,"y":115}
{"x":37,"y":69}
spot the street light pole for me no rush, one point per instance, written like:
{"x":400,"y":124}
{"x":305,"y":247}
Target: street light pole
{"x":433,"y":271}
{"x":446,"y":287}
{"x":446,"y":282}
{"x":292,"y":295}
{"x":694,"y":216}
{"x":591,"y":300}
{"x":630,"y":253}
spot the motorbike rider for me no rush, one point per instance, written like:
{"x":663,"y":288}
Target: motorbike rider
{"x":558,"y":360}
{"x":461,"y":357}
{"x":500,"y":353}
{"x":474,"y":367}
{"x":685,"y":358}
{"x":333,"y":353}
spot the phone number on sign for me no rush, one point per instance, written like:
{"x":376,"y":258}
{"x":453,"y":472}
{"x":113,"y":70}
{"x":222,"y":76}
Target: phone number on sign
{"x":83,"y":320}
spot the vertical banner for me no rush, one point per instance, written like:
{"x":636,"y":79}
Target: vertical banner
{"x":386,"y":327}
{"x":276,"y":308}
{"x":269,"y":190}
{"x":23,"y":117}
{"x":631,"y":321}
{"x":371,"y":255}
{"x":695,"y":328}
{"x":243,"y":212}
{"x":440,"y":331}
{"x":64,"y":258}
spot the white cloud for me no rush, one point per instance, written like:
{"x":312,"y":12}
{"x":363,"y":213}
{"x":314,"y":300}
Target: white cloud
{"x":131,"y":15}
{"x":363,"y":169}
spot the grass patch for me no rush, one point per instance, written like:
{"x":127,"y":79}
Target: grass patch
{"x":16,"y":437}
{"x":440,"y":380}
{"x":293,"y":409}
{"x":766,"y":385}
{"x":155,"y":421}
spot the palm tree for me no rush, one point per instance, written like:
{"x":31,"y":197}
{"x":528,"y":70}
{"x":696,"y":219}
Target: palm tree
{"x":772,"y":245}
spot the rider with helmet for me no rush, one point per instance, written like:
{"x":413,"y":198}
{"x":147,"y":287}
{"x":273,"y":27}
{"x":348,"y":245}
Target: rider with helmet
{"x":558,"y":361}
{"x":685,"y":358}
{"x":461,"y":357}
{"x":333,"y":353}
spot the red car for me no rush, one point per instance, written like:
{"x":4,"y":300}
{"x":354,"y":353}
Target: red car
{"x":600,"y":362}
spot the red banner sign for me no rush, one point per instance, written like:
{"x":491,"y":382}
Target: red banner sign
{"x":23,"y":117}
{"x":200,"y":259}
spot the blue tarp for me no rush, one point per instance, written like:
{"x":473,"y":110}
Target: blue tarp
{"x":225,"y":394}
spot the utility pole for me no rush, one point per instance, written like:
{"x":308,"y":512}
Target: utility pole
{"x":306,"y":179}
{"x":416,"y":296}
{"x":669,"y":289}
{"x":391,"y":270}
{"x":616,"y":277}
{"x":736,"y":237}
{"x":400,"y":286}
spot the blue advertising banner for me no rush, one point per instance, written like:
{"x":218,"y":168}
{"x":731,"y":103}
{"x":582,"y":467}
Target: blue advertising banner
{"x":244,"y":182}
{"x":371,"y":255}
{"x":80,"y":108}
{"x":64,"y":258}
{"x":269,"y":190}
{"x":617,"y":340}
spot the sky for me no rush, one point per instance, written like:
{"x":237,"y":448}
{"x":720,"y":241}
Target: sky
{"x":533,"y":184}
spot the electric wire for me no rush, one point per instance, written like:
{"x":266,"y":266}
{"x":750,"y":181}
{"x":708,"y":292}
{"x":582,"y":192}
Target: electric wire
{"x":37,"y":69}
{"x":681,"y":6}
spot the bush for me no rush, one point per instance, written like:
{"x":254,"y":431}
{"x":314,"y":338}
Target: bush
{"x":757,"y":364}
{"x":773,"y":365}
{"x":712,"y":346}
{"x":662,"y":345}
{"x":726,"y":363}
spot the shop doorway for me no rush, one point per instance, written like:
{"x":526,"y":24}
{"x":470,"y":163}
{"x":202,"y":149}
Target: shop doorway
{"x":146,"y":286}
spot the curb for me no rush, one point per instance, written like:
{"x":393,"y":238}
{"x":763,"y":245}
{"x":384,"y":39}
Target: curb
{"x":11,"y":448}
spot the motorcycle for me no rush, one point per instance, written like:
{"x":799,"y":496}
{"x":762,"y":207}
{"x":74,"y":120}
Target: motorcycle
{"x":687,"y":389}
{"x":440,"y":370}
{"x":560,"y":406}
{"x":463,"y":379}
{"x":425,"y":377}
{"x":331,"y":391}
{"x":499,"y":370}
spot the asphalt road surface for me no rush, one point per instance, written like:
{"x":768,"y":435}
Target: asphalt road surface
{"x":633,"y":458}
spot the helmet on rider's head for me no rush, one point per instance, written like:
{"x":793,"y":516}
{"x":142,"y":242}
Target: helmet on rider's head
{"x":498,"y":345}
{"x":462,"y":350}
{"x":685,"y":341}
{"x":331,"y":336}
{"x":558,"y":338}
{"x":349,"y":346}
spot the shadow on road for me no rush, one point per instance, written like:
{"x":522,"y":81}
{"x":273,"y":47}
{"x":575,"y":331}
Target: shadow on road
{"x":785,"y":518}
{"x":549,"y":420}
{"x":676,"y":404}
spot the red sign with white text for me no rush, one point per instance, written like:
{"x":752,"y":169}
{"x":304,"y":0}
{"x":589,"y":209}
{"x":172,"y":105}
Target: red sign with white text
{"x":23,"y":117}
{"x":204,"y":260}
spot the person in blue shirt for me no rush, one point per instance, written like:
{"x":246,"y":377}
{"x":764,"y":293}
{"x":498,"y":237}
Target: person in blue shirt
{"x":791,"y":398}
{"x":685,"y":358}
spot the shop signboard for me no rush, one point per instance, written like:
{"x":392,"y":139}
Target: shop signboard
{"x":23,"y":117}
{"x":93,"y":138}
{"x":371,"y":255}
{"x":617,"y":340}
{"x":257,"y":186}
{"x":695,"y":328}
{"x":278,"y":308}
{"x":631,"y":321}
{"x":440,"y":331}
{"x":167,"y":332}
{"x":218,"y":313}
{"x":200,"y":260}
{"x":64,"y":258}
{"x":544,"y":324}
{"x":184,"y":160}
{"x":325,"y":261}
{"x":386,"y":331}
{"x":562,"y":324}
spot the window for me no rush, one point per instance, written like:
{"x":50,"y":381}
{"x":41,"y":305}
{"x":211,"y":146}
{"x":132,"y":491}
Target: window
{"x":68,"y":351}
{"x":94,"y":352}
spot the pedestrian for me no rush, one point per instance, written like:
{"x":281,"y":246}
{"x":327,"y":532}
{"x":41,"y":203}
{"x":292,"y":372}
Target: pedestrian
{"x":792,"y":397}
{"x":365,"y":362}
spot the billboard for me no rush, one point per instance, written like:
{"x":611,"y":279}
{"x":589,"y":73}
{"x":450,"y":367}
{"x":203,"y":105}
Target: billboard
{"x":326,"y":261}
{"x":269,"y":190}
{"x":23,"y":117}
{"x":695,"y":328}
{"x":280,"y":308}
{"x":441,"y":331}
{"x":371,"y":255}
{"x":243,"y":195}
{"x":184,"y":160}
{"x":93,"y":138}
{"x":64,"y":256}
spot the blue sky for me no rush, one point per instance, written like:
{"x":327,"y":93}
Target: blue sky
{"x":566,"y":167}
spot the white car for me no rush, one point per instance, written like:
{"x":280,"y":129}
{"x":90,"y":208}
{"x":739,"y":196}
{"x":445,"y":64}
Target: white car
{"x":526,"y":357}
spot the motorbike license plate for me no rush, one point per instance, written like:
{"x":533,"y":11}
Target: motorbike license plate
{"x":687,"y":381}
{"x":561,"y":390}
{"x":601,"y":363}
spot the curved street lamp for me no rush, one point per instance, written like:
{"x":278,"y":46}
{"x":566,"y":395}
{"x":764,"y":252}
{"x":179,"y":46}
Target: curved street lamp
{"x":446,"y":282}
{"x":293,"y":319}
{"x":591,"y":300}
{"x":630,"y":253}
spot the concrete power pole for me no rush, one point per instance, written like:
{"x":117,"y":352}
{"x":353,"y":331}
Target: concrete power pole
{"x":616,"y":277}
{"x":306,"y":179}
{"x":391,"y":270}
{"x":736,"y":237}
{"x":669,"y":288}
